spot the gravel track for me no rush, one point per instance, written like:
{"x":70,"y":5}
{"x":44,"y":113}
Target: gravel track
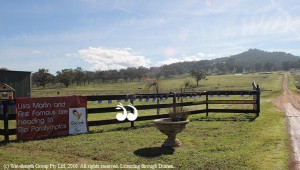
{"x":290,"y":104}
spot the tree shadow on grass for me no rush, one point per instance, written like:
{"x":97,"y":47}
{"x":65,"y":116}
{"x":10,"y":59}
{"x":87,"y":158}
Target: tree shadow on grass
{"x":247,"y":118}
{"x":154,"y":152}
{"x":4,"y":143}
{"x":116,"y":129}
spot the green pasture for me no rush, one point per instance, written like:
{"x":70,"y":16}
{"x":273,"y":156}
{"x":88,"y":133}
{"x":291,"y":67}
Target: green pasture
{"x":225,"y":82}
{"x":295,"y":81}
{"x":219,"y":141}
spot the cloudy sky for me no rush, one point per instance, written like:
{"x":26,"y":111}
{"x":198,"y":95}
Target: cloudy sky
{"x":114,"y":34}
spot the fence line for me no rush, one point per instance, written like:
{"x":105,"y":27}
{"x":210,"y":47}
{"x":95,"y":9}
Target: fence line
{"x":177,"y":101}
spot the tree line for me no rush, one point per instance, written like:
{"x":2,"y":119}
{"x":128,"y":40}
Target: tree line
{"x":250,"y":61}
{"x":197,"y":70}
{"x":79,"y":76}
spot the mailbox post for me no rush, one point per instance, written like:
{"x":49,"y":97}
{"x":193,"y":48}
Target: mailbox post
{"x":6,"y":95}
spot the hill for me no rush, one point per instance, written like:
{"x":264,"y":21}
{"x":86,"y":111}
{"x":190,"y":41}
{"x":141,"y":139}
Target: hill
{"x":255,"y":56}
{"x":253,"y":60}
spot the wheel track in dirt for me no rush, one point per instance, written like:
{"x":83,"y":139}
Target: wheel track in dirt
{"x":290,"y":104}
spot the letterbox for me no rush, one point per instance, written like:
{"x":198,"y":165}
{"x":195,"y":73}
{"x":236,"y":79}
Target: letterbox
{"x":6,"y":92}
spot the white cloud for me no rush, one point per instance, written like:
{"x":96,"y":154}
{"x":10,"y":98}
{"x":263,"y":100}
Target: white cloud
{"x":169,"y":61}
{"x":36,"y":52}
{"x":71,"y":54}
{"x":196,"y":57}
{"x":107,"y":58}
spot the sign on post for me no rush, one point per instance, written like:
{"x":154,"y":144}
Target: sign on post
{"x":51,"y":116}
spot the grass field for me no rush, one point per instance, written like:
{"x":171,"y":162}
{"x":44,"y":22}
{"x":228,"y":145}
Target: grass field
{"x":225,"y":82}
{"x":219,"y":141}
{"x":295,"y":81}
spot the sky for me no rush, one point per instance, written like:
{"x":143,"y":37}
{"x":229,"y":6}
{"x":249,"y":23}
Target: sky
{"x":116,"y":34}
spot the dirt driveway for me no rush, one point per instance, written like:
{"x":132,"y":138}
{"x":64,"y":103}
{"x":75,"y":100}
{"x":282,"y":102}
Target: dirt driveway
{"x":290,"y":104}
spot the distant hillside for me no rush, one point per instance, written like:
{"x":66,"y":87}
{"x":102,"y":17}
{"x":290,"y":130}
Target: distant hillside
{"x":255,"y":56}
{"x":250,"y":61}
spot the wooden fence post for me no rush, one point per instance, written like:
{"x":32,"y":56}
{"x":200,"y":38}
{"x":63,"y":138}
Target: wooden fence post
{"x":6,"y":127}
{"x":255,"y":95}
{"x":258,"y":101}
{"x":206,"y":104}
{"x":131,"y":101}
{"x":174,"y":102}
{"x":157,"y":103}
